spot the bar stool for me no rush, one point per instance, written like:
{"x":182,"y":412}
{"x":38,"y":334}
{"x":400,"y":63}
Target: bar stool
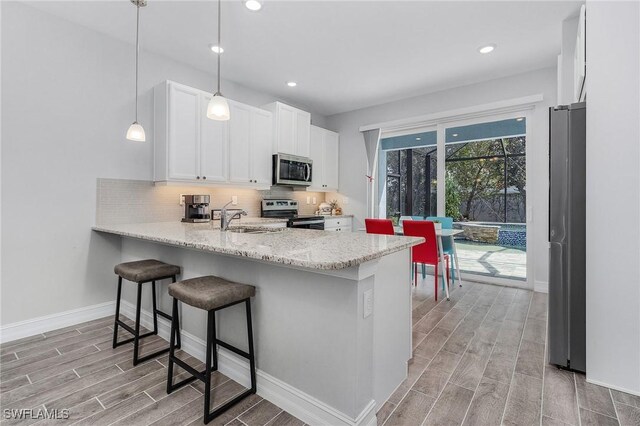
{"x":141,"y":272}
{"x":211,"y":294}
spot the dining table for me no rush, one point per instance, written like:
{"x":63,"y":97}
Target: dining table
{"x":443,"y":233}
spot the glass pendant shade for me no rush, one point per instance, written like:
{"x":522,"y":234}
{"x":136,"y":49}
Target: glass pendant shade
{"x":136,"y":132}
{"x":218,"y":108}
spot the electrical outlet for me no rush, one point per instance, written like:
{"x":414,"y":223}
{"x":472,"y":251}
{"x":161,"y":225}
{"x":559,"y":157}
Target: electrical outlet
{"x":234,"y":200}
{"x":308,"y":200}
{"x":368,"y":303}
{"x":181,"y":200}
{"x":314,"y":200}
{"x":345,"y":200}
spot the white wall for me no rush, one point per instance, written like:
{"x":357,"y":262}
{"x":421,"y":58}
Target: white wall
{"x":613,"y":194}
{"x":353,"y":163}
{"x":68,"y":99}
{"x":566,"y":75}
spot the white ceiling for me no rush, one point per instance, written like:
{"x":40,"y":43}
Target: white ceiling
{"x":343,"y":54}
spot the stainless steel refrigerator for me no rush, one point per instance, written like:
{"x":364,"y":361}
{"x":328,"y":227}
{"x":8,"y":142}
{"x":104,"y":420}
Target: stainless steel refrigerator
{"x":567,"y":164}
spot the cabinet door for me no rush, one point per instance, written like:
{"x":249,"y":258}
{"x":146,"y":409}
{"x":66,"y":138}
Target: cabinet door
{"x":302,"y":133}
{"x":239,"y":143}
{"x":184,"y":129}
{"x":331,"y":160}
{"x":213,"y":145}
{"x":261,"y":146}
{"x":286,"y":135}
{"x":316,"y":153}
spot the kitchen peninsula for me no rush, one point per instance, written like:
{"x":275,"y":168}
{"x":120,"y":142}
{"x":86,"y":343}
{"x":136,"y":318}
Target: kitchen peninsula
{"x":332,"y":312}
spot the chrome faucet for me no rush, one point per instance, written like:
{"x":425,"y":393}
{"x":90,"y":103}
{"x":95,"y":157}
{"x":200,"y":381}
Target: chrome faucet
{"x":225,"y":220}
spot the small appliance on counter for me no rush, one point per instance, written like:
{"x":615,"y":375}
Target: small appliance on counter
{"x":196,"y":208}
{"x":288,"y":209}
{"x":324,"y":209}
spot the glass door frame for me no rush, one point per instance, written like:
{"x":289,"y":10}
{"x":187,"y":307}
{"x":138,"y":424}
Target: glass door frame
{"x":440,"y":125}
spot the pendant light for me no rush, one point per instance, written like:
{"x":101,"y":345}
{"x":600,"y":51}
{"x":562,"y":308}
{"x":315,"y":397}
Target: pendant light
{"x":218,"y":108}
{"x":136,"y":132}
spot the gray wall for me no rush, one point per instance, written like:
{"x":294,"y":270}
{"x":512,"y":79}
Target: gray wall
{"x":353,"y":163}
{"x":613,"y":194}
{"x":68,"y":99}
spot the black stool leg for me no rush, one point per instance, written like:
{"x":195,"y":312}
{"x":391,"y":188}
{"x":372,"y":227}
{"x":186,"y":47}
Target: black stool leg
{"x":211,"y":323}
{"x":115,"y":324}
{"x":155,"y":308}
{"x":175,"y":315}
{"x":252,"y":358}
{"x":172,"y":341}
{"x":136,"y":335}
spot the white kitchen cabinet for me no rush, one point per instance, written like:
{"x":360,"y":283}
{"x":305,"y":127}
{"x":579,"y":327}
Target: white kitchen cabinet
{"x":291,"y":129}
{"x":338,"y":223}
{"x":250,"y":145}
{"x":261,"y":146}
{"x":213,"y":146}
{"x":324,"y":151}
{"x":191,"y":148}
{"x":183,"y":141}
{"x":239,"y":143}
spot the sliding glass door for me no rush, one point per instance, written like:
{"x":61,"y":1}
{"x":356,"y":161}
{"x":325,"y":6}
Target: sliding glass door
{"x":409,"y":172}
{"x":485,"y":193}
{"x":473,"y":171}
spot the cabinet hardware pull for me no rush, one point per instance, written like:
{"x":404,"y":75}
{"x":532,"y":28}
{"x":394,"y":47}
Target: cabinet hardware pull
{"x":197,"y":177}
{"x":204,"y":177}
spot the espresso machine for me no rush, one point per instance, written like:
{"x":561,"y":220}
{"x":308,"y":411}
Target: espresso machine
{"x":196,"y":208}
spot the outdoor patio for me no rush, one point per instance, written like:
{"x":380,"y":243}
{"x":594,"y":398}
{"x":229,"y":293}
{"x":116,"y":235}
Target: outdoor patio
{"x":492,"y":260}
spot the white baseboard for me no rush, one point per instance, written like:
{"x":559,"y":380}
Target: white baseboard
{"x":618,"y":388}
{"x":18,"y":330}
{"x":296,"y":402}
{"x":541,"y":286}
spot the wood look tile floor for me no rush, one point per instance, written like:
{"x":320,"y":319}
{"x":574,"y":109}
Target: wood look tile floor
{"x":479,"y":359}
{"x":76,"y":368}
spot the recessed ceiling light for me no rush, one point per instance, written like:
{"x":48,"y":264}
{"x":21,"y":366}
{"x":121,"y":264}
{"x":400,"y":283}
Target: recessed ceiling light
{"x":487,"y":49}
{"x":292,"y":83}
{"x":418,"y":139}
{"x":519,"y":118}
{"x":455,"y":135}
{"x":253,"y":5}
{"x":216,"y":49}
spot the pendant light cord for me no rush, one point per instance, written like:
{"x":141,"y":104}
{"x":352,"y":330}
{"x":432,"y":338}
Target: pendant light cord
{"x":137,"y":51}
{"x":219,"y":47}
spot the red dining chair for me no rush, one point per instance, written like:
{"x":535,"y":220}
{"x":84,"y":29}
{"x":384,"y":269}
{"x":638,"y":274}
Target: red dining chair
{"x":379,"y":226}
{"x":427,"y":252}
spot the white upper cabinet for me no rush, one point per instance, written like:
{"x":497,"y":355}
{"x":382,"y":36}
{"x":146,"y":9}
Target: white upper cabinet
{"x":291,"y":130}
{"x":213,"y":146}
{"x":191,"y":148}
{"x":239,"y":143}
{"x":261,"y":146}
{"x":331,"y":159}
{"x":324,"y":151}
{"x":184,"y":135}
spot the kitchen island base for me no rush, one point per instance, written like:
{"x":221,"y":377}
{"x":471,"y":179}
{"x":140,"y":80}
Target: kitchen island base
{"x":319,"y":355}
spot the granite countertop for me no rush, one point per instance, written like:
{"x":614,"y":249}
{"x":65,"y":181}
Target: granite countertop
{"x":297,"y":247}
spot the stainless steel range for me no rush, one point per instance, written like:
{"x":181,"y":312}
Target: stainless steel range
{"x":288,"y":209}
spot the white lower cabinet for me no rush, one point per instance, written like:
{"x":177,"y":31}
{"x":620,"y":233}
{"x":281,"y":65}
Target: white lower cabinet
{"x":191,"y":148}
{"x":338,"y":223}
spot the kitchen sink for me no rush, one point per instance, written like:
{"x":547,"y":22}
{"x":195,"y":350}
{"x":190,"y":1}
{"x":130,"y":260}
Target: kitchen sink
{"x":253,"y":230}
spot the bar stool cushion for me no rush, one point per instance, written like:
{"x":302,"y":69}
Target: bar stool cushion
{"x":145,"y":270}
{"x":210,"y":292}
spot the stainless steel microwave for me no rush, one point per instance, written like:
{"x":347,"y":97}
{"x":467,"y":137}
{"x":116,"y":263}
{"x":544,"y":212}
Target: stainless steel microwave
{"x":292,"y":170}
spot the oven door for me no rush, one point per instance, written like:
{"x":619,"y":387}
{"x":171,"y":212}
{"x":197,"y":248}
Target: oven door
{"x":292,"y":170}
{"x":306,"y":224}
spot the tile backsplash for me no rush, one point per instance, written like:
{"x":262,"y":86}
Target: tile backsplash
{"x":138,"y":201}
